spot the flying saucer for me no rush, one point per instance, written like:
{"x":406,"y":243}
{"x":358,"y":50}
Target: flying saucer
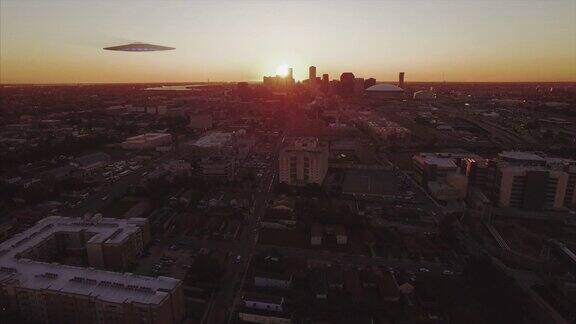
{"x":139,"y":47}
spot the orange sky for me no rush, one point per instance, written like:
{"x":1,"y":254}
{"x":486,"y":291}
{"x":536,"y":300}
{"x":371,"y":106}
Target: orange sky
{"x":61,"y":41}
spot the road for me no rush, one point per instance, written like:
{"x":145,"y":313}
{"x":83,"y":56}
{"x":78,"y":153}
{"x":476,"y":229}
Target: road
{"x":223,"y":303}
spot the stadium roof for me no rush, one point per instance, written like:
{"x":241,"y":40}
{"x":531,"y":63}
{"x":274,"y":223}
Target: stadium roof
{"x":384,"y":87}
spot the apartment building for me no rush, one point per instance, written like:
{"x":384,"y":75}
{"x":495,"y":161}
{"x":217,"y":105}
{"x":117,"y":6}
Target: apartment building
{"x":303,"y":161}
{"x":48,"y":292}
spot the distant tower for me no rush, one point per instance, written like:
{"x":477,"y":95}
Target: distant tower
{"x":347,"y":83}
{"x":369,"y":82}
{"x":325,"y":82}
{"x":290,"y":73}
{"x":401,"y":80}
{"x":312,"y":73}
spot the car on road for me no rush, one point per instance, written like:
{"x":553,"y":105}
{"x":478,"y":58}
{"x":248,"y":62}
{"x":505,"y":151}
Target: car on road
{"x":448,"y":272}
{"x":104,"y":198}
{"x":424,"y":270}
{"x":238,"y":259}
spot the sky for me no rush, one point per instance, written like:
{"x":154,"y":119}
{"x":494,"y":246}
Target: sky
{"x":56,"y":41}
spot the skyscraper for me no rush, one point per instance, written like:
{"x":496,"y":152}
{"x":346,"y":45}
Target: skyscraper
{"x":312,"y":73}
{"x":347,"y":83}
{"x":401,"y":80}
{"x":325,"y":82}
{"x":369,"y":82}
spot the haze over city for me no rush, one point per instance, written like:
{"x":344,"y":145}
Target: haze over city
{"x":288,"y":162}
{"x":471,"y":41}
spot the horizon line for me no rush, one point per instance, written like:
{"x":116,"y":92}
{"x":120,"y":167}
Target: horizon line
{"x":254,"y":81}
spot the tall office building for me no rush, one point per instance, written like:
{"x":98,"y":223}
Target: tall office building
{"x":347,"y":83}
{"x":531,"y":187}
{"x":325,"y":82}
{"x":303,"y":161}
{"x":358,"y":86}
{"x":401,"y":80}
{"x":280,"y":82}
{"x":525,"y":180}
{"x":369,"y":82}
{"x":312,"y":73}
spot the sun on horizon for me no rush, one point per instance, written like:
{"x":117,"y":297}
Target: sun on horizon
{"x":282,"y":70}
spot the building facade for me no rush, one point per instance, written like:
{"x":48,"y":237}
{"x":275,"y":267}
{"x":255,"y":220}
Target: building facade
{"x":41,"y":290}
{"x":302,"y":162}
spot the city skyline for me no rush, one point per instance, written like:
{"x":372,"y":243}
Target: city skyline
{"x":61,"y":42}
{"x":325,"y":161}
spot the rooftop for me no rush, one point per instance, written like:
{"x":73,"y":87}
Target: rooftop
{"x":263,"y":298}
{"x":521,"y":156}
{"x":213,"y":139}
{"x":439,"y":161}
{"x":146,"y":137}
{"x":384,"y":87}
{"x":104,"y":285}
{"x":90,"y":159}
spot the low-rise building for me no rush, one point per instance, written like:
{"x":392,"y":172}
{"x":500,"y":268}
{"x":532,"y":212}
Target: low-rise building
{"x":147,"y":141}
{"x":263,"y":302}
{"x":316,"y":234}
{"x":87,"y":165}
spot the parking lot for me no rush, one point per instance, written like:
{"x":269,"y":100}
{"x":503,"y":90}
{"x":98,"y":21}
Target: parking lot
{"x":162,"y":260}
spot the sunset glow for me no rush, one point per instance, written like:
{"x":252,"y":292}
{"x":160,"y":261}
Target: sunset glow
{"x":53,"y":41}
{"x":282,"y":70}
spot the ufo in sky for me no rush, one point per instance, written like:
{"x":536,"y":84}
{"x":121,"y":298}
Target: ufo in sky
{"x":139,"y":47}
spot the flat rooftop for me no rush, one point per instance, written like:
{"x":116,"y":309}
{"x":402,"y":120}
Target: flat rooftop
{"x":213,"y":139}
{"x":370,"y":182}
{"x":104,"y":285}
{"x":146,"y":137}
{"x":524,"y":156}
{"x":439,"y":161}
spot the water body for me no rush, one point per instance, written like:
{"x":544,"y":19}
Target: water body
{"x":186,"y":87}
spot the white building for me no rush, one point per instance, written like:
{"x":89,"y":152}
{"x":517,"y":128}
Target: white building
{"x":304,"y":161}
{"x":384,"y":91}
{"x":264,"y":302}
{"x":146,"y":141}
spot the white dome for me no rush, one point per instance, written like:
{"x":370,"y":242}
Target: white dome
{"x":384,"y":87}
